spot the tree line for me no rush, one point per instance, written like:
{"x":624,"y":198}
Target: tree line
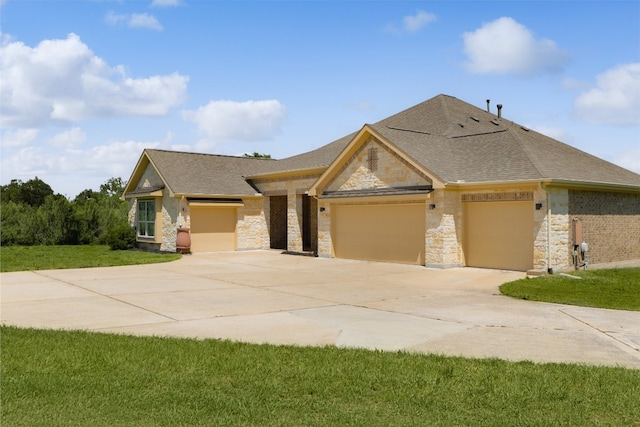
{"x":32,"y":214}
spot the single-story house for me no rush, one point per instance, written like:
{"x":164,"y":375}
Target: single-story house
{"x":441,"y":184}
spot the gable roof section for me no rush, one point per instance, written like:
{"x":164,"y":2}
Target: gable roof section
{"x":193,"y":174}
{"x":356,"y":142}
{"x":447,"y":138}
{"x":460,"y":142}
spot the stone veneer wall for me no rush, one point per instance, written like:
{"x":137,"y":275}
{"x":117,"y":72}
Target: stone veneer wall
{"x":252,"y":230}
{"x":391,"y":171}
{"x":443,"y":231}
{"x":559,"y":232}
{"x":294,"y":188}
{"x":610,"y":224}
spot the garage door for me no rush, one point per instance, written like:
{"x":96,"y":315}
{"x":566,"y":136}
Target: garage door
{"x":499,"y":235}
{"x":213,"y":229}
{"x":393,"y":233}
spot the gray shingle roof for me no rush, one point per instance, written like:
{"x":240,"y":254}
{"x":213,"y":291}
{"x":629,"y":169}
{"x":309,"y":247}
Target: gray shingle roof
{"x":458,"y":141}
{"x":453,"y":139}
{"x":207,"y":174}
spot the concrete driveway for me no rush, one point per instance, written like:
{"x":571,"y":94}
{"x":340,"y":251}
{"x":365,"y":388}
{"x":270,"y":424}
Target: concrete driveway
{"x":266,"y":297}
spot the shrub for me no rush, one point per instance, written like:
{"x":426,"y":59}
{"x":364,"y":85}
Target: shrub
{"x":121,"y":237}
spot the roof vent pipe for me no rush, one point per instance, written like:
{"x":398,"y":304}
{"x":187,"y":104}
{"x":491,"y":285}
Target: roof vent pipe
{"x":499,"y":110}
{"x":488,"y":102}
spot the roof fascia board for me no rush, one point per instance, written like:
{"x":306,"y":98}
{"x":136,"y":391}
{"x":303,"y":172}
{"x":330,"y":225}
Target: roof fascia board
{"x":155,"y":193}
{"x":547,"y":182}
{"x":589,"y":185}
{"x":216,"y":205}
{"x":219,"y":196}
{"x":351,"y":148}
{"x":134,"y":178}
{"x":416,"y":198}
{"x":138,"y":171}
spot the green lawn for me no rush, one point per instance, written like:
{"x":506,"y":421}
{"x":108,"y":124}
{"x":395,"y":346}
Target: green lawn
{"x":614,"y":288}
{"x":58,"y":378}
{"x":28,"y":258}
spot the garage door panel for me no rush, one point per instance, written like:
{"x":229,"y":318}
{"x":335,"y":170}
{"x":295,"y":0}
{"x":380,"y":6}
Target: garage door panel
{"x":213,"y":229}
{"x":392,"y":233}
{"x":499,"y":235}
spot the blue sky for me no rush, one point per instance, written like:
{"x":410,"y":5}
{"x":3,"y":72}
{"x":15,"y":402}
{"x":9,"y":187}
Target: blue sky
{"x":86,"y":85}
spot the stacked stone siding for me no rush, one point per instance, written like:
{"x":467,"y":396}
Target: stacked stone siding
{"x":390,"y":171}
{"x":443,"y":232}
{"x":294,"y":188}
{"x":610,"y":224}
{"x":252,"y":231}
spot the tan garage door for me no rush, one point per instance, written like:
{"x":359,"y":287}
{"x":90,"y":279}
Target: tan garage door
{"x":499,"y":235}
{"x":213,"y":229}
{"x":393,"y":233}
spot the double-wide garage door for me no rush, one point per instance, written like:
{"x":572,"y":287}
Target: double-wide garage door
{"x":213,"y":228}
{"x":392,"y":232}
{"x":499,"y":235}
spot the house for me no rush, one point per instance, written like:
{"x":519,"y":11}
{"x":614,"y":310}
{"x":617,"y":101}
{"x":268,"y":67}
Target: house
{"x":441,"y":184}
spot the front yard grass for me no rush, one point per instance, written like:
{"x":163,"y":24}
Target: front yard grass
{"x":63,"y":378}
{"x":617,"y":288}
{"x":29,"y":258}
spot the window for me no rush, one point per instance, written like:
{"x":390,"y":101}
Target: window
{"x":146,"y":218}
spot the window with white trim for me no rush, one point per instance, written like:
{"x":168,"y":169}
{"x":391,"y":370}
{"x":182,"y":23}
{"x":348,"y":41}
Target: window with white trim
{"x":146,"y":218}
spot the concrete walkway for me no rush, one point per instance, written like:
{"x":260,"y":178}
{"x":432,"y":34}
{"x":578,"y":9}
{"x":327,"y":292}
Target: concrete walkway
{"x":266,"y":297}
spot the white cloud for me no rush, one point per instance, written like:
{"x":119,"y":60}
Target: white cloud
{"x":615,"y":100}
{"x":18,"y":138}
{"x":238,"y":121}
{"x":630,"y":160}
{"x":70,"y":171}
{"x":113,"y":18}
{"x":144,"y":20}
{"x":71,"y":138}
{"x":135,"y":20}
{"x":165,"y":3}
{"x":505,"y":46}
{"x":412,"y":23}
{"x":63,"y":80}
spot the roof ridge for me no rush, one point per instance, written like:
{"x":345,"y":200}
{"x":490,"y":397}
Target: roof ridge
{"x":523,"y":147}
{"x":207,"y":154}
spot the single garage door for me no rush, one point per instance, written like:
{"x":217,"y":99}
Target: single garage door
{"x":213,"y":228}
{"x":392,"y":233}
{"x":499,"y":235}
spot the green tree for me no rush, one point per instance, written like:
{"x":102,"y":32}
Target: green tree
{"x":55,"y":222}
{"x":34,"y":192}
{"x":18,"y":224}
{"x":11,"y":192}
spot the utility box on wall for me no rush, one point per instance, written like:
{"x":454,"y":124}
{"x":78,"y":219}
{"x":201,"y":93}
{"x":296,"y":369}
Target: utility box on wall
{"x":576,"y":228}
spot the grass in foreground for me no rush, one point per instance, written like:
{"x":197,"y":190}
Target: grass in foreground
{"x":61,"y":378}
{"x":29,"y":258}
{"x":613,"y":288}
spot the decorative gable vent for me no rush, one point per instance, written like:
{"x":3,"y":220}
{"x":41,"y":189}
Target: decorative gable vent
{"x":373,"y":159}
